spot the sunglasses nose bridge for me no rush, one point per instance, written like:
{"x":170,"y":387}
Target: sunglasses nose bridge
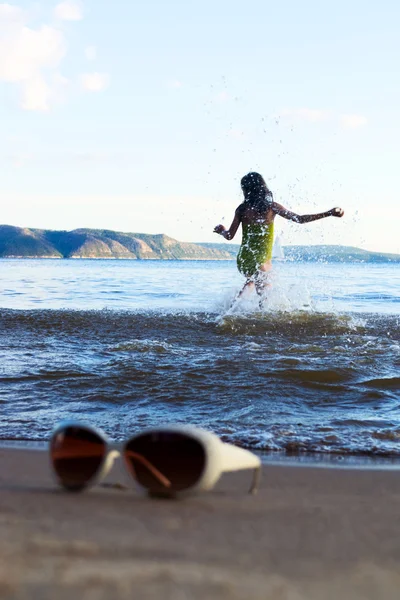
{"x":111,"y":456}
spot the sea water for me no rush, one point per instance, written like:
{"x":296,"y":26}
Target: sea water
{"x":127,"y":344}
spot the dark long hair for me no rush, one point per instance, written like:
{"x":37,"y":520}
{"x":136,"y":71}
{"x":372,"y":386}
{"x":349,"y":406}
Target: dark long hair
{"x":256,"y":192}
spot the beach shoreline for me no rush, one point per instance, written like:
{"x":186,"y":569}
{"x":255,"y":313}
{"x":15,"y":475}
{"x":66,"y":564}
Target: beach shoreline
{"x":323,"y":460}
{"x":314,"y":533}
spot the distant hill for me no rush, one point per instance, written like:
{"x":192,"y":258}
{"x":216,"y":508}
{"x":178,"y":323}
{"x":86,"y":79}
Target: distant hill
{"x":17,"y":242}
{"x":337,"y":254}
{"x":322,"y":254}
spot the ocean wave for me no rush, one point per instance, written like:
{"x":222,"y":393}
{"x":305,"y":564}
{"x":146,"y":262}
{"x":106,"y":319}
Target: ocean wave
{"x":383,"y":383}
{"x":299,"y":381}
{"x":317,"y":323}
{"x":353,"y":441}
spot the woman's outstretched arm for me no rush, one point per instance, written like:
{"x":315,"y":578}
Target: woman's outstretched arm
{"x":287,"y":214}
{"x":229,"y":234}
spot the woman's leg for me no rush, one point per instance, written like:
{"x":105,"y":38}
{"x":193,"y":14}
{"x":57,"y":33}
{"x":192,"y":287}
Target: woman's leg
{"x":249,"y":283}
{"x":261,"y":280}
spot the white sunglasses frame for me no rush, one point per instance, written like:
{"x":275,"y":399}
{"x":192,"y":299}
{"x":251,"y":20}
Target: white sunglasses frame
{"x":220,"y":457}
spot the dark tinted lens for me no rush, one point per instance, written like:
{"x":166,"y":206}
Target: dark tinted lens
{"x":165,"y":462}
{"x":76,"y":454}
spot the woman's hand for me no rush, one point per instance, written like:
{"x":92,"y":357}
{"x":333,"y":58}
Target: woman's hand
{"x":219,"y":229}
{"x":336,"y":212}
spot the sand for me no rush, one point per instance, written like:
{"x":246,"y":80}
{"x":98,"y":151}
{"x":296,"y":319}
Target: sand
{"x":310,"y":533}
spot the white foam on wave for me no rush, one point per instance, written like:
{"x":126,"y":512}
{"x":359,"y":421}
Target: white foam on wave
{"x":145,"y":346}
{"x":278,"y":296}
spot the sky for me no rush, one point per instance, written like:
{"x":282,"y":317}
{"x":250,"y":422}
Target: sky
{"x":144,"y":116}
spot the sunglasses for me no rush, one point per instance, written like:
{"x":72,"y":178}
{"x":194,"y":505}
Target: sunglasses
{"x":164,"y":461}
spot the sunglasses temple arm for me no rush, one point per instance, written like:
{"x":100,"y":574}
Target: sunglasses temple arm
{"x":155,"y":472}
{"x":256,"y":481}
{"x":235,"y":458}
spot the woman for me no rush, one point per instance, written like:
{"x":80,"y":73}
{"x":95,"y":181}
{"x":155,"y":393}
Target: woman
{"x":257,"y":214}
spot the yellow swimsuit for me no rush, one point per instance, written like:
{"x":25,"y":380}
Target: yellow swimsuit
{"x":256,"y":248}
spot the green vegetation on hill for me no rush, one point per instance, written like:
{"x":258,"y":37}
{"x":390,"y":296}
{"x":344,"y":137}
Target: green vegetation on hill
{"x":25,"y":243}
{"x":17,"y":242}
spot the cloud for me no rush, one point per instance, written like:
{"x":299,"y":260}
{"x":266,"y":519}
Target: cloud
{"x":222,"y":97}
{"x":10,"y":14}
{"x":306,"y":114}
{"x":25,"y":51}
{"x":39,"y":95}
{"x":19,"y":160}
{"x":31,"y":56}
{"x":91,"y":52}
{"x":352,"y":121}
{"x":68,"y":11}
{"x":26,"y":54}
{"x":174,"y":84}
{"x":95,"y":82}
{"x":36,"y":95}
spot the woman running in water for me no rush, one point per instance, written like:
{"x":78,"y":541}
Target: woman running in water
{"x":257,"y":214}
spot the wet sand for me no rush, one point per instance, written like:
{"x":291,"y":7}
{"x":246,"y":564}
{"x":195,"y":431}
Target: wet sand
{"x":310,"y":533}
